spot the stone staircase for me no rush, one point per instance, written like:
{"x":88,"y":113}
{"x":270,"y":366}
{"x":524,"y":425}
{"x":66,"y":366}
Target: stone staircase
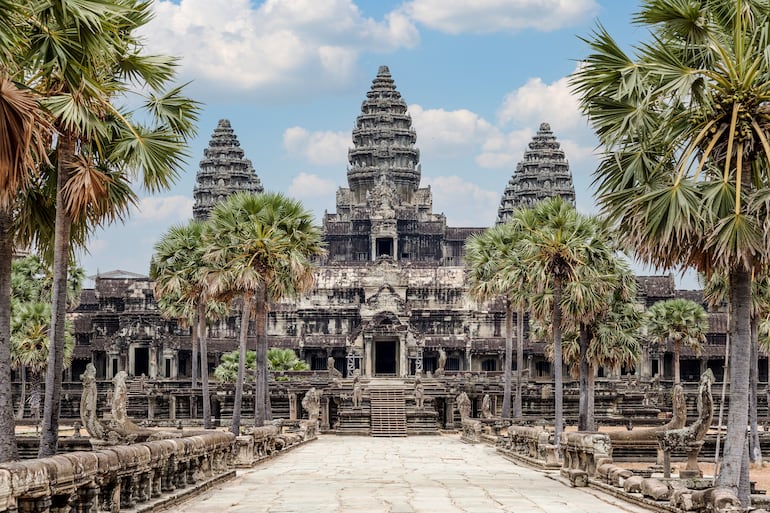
{"x":388,"y":408}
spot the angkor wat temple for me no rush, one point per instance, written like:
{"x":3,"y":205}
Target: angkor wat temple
{"x":390,"y":298}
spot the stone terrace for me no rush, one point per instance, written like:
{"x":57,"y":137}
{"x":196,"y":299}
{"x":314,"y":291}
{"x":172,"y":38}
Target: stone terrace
{"x":405,"y":475}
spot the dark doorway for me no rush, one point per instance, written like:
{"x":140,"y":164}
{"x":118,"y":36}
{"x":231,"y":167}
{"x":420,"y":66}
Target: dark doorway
{"x":141,"y":361}
{"x":384,"y":247}
{"x":385,"y":357}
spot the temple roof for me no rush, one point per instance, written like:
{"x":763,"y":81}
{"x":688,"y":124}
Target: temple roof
{"x":543,"y":173}
{"x":223,"y":171}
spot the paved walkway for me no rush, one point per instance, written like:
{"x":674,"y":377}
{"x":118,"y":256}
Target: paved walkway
{"x":431,"y":474}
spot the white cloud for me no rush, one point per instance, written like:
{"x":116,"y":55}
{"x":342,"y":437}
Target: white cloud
{"x":448,"y":132}
{"x":307,"y":185}
{"x":163,"y":209}
{"x":319,"y":148}
{"x":274,"y":47}
{"x":537,"y":102}
{"x":486,"y":16}
{"x":465,"y":203}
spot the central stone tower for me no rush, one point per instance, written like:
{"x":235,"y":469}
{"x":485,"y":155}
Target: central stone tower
{"x":383,"y":213}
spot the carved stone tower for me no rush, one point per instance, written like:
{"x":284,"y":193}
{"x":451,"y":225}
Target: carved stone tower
{"x":542,"y":174}
{"x":223,"y":171}
{"x":384,"y":213}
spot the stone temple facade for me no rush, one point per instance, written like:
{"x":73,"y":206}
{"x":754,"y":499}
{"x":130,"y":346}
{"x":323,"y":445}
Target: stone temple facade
{"x":390,"y":298}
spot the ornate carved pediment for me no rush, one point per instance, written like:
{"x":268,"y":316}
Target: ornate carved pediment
{"x":386,"y":299}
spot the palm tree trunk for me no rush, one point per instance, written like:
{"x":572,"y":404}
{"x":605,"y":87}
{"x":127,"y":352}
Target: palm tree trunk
{"x":590,"y":409}
{"x":583,"y":380}
{"x":201,"y":327}
{"x":8,"y":449}
{"x":677,"y":352}
{"x":235,"y":426}
{"x":557,"y":364}
{"x":755,"y":451}
{"x":508,"y":358}
{"x":22,"y":393}
{"x":49,"y":435}
{"x":519,"y":361}
{"x":738,"y":415}
{"x":262,"y":408}
{"x":194,"y":341}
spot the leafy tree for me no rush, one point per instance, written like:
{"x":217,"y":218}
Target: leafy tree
{"x":685,"y":171}
{"x":83,"y":58}
{"x":679,"y":321}
{"x":261,"y":246}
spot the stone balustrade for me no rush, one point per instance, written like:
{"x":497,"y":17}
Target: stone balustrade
{"x":583,"y":453}
{"x":533,"y":445}
{"x":260,"y":443}
{"x":112,"y":478}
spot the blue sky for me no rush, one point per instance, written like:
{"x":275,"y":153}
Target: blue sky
{"x":479,"y":77}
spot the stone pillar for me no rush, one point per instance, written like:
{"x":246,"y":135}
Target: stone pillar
{"x":171,"y":407}
{"x":468,"y":360}
{"x":368,"y":363}
{"x":131,"y":360}
{"x":150,"y":407}
{"x":325,"y":424}
{"x":292,"y":406}
{"x":418,"y":362}
{"x":449,"y":412}
{"x":403,"y":368}
{"x":153,"y":362}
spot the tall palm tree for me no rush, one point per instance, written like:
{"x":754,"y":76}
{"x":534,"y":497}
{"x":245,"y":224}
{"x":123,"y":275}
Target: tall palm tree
{"x":23,"y":144}
{"x":83,"y":57}
{"x":684,"y":126}
{"x":679,"y":321}
{"x":496,"y":271}
{"x":556,"y":243}
{"x":262,"y":246}
{"x":179,"y":273}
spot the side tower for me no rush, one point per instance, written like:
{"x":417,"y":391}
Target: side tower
{"x":383,"y":213}
{"x":543,"y":173}
{"x":223,"y":171}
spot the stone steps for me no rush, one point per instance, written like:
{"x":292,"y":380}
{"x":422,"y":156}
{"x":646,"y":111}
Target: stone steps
{"x":387,"y":409}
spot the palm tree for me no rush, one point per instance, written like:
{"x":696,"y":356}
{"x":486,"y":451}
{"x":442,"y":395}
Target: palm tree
{"x":556,"y":242}
{"x":227,"y":370}
{"x":83,"y":58}
{"x":684,"y":128}
{"x":179,"y":274}
{"x":23,"y":143}
{"x":496,"y":270}
{"x":598,"y":305}
{"x":31,"y":282}
{"x":262,"y":246}
{"x":284,"y":360}
{"x":679,"y":321}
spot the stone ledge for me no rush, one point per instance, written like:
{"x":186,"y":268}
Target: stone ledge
{"x":173,"y":499}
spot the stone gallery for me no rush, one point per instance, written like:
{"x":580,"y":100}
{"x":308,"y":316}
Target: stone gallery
{"x":390,"y":298}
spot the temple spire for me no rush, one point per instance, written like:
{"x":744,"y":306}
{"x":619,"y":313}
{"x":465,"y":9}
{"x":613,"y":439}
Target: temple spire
{"x":383,"y":143}
{"x":543,"y":173}
{"x":223,"y":171}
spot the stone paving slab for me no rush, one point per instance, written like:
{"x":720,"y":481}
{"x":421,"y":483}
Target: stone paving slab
{"x":435,"y":474}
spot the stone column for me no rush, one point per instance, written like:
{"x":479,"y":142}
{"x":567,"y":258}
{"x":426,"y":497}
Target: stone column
{"x":153,"y":361}
{"x":171,"y":407}
{"x":403,"y":368}
{"x":292,"y":406}
{"x":325,"y":424}
{"x":449,"y":412}
{"x":418,"y":362}
{"x":368,"y":363}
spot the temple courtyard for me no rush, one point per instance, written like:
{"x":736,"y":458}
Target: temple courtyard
{"x":436,"y":474}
